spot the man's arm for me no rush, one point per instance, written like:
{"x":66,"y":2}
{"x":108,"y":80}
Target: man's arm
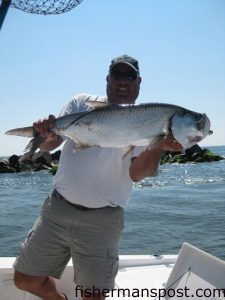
{"x":43,"y":127}
{"x":147,"y":163}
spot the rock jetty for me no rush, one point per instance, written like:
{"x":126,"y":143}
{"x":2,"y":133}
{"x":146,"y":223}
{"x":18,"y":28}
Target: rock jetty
{"x":49,"y":161}
{"x":40,"y":161}
{"x":195,"y":154}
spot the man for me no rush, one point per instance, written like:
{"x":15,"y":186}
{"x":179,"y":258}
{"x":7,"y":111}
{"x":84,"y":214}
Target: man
{"x":83,"y":217}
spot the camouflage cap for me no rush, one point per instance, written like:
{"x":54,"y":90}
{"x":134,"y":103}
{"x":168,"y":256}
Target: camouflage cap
{"x":125,"y":59}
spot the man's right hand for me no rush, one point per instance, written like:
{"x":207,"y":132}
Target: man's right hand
{"x":43,"y":127}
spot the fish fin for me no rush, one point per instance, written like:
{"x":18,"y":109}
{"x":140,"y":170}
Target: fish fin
{"x":130,"y":149}
{"x":85,"y":113}
{"x":33,"y":145}
{"x":24,"y":131}
{"x":97,"y":104}
{"x":79,"y":147}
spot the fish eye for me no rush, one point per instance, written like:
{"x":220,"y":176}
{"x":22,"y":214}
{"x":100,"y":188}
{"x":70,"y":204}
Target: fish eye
{"x":198,"y":117}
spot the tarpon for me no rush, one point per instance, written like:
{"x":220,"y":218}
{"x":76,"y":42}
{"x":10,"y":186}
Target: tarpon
{"x":117,"y":126}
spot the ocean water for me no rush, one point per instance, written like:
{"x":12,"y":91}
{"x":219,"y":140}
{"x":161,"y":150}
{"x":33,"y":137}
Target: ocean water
{"x":185,"y":203}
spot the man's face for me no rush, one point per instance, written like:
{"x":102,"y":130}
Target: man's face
{"x":123,"y":85}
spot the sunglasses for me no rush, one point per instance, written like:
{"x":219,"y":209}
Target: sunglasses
{"x":118,"y":75}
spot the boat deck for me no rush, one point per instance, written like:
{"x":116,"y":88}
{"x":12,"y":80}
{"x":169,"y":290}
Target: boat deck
{"x":193,"y":274}
{"x":137,"y":277}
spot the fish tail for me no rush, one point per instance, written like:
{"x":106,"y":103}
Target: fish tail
{"x":33,"y":145}
{"x":24,"y":131}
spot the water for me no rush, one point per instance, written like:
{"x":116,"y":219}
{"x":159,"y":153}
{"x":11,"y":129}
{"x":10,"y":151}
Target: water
{"x":185,"y":203}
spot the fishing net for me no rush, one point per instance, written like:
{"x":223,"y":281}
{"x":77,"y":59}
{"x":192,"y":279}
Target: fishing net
{"x":45,"y":7}
{"x":42,"y":7}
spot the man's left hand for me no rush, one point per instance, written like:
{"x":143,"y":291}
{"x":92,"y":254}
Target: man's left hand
{"x":169,"y":143}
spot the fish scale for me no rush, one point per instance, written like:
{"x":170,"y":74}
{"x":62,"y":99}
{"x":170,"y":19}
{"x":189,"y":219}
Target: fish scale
{"x":117,"y":126}
{"x":121,"y":127}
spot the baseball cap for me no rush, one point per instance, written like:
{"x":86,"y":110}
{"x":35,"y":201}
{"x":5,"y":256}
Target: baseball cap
{"x":125,"y":59}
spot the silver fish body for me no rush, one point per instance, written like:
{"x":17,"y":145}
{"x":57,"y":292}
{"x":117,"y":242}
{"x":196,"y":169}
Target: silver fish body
{"x":127,"y":126}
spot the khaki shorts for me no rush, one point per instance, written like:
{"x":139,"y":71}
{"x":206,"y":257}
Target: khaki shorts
{"x":90,"y":237}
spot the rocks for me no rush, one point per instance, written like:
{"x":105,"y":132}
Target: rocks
{"x":40,"y":161}
{"x":14,"y":161}
{"x":46,"y":161}
{"x":5,"y":167}
{"x":194,"y":154}
{"x":53,"y":170}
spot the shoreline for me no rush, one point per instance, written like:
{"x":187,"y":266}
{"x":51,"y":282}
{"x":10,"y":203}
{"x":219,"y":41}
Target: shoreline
{"x":203,"y":147}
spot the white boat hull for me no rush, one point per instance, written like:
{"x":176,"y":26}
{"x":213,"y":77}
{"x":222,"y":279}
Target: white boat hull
{"x":153,"y":271}
{"x":193,"y":273}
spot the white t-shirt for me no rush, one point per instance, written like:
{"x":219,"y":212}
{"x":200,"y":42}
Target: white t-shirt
{"x":93,"y":177}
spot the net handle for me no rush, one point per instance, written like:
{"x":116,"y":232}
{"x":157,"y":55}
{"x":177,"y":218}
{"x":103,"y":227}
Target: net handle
{"x":3,"y":11}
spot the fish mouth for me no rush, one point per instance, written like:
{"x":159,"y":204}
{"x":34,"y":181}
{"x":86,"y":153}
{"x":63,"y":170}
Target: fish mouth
{"x":203,"y":127}
{"x":202,"y":124}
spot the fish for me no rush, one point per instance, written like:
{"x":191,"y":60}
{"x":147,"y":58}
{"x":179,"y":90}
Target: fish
{"x":119,"y":126}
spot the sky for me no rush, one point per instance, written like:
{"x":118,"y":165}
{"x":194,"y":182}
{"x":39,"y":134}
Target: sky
{"x":45,"y":60}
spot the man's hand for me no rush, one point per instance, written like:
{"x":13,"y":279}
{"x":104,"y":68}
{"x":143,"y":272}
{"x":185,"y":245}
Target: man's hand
{"x":43,"y":127}
{"x":147,"y":163}
{"x":169,"y":143}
